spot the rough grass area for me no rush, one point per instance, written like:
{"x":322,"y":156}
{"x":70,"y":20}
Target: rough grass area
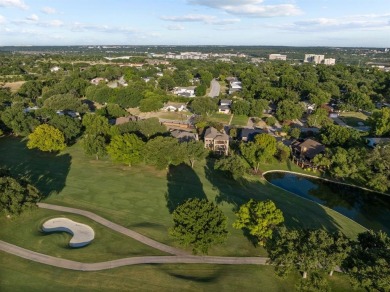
{"x":354,"y":118}
{"x":18,"y":274}
{"x":239,"y":120}
{"x":25,"y":231}
{"x":14,"y":86}
{"x":220,"y":118}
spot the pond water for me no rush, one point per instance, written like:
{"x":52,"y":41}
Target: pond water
{"x":370,"y":209}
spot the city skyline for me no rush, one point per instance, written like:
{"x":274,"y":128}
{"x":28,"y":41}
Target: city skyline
{"x":196,"y":22}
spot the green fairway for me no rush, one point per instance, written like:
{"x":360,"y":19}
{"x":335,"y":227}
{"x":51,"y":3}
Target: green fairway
{"x":354,"y":119}
{"x":21,"y":275}
{"x":25,"y":231}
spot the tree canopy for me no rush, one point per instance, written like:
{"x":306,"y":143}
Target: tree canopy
{"x":46,"y":138}
{"x":127,"y":148}
{"x":199,"y":224}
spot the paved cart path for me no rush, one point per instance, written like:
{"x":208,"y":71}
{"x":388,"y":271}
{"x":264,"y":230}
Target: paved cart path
{"x":179,"y":256}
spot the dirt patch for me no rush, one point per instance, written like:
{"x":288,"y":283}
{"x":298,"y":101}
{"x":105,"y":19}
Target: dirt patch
{"x":14,"y":86}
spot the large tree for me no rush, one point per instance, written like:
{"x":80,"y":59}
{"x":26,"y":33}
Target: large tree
{"x":150,"y":127}
{"x":164,"y":151}
{"x":46,"y":138}
{"x":94,"y":145}
{"x":259,"y":218}
{"x":16,"y":196}
{"x":199,"y":224}
{"x":96,"y":125}
{"x":127,"y":148}
{"x":380,"y":122}
{"x":194,"y":151}
{"x":233,"y":165}
{"x":369,"y":262}
{"x":204,"y":106}
{"x":289,"y":110}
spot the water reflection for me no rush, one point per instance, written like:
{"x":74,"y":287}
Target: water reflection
{"x":372,"y":210}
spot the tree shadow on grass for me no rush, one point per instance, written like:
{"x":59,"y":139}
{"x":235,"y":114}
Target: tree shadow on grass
{"x":192,"y":274}
{"x":183,"y":184}
{"x":46,"y":171}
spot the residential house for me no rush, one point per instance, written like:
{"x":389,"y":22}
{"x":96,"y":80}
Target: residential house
{"x":184,"y":136}
{"x":216,"y":141}
{"x":188,"y":91}
{"x":248,"y":134}
{"x":316,"y":59}
{"x":225,"y":106}
{"x":175,"y":106}
{"x":307,"y":149}
{"x":234,"y":84}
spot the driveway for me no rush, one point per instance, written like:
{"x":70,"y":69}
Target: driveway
{"x":215,"y":88}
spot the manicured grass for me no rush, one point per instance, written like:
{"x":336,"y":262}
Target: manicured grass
{"x":239,"y":120}
{"x":141,"y":198}
{"x":354,"y":118}
{"x":25,"y":231}
{"x":220,"y":118}
{"x":18,"y":274}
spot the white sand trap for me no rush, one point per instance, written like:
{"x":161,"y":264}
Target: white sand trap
{"x":82,"y":234}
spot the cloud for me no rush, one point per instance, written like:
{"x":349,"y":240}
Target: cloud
{"x":175,"y":27}
{"x":207,"y":19}
{"x":82,"y":27}
{"x":48,"y":10}
{"x":250,"y":8}
{"x":2,"y":19}
{"x":13,"y":3}
{"x":335,"y":24}
{"x":33,"y":17}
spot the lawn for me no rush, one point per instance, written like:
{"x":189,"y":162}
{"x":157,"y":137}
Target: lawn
{"x":18,"y":274}
{"x":25,"y":231}
{"x":354,"y":118}
{"x":220,"y":118}
{"x":141,"y":198}
{"x":239,"y":120}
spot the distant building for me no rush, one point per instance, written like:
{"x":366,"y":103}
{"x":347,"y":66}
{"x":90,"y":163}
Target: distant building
{"x":278,"y":57}
{"x":188,"y":91}
{"x":55,"y":69}
{"x":316,"y":59}
{"x":329,"y":61}
{"x":216,"y":141}
{"x":234,"y":84}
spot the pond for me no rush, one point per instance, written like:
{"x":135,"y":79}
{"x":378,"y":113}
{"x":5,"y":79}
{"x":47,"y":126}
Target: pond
{"x":370,"y":209}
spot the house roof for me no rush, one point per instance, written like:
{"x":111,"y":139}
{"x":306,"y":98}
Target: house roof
{"x":224,"y":107}
{"x":225,"y":102}
{"x":309,"y":148}
{"x":175,"y":104}
{"x":213,"y":133}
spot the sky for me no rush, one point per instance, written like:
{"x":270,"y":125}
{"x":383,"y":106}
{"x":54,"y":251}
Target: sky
{"x":337,"y":23}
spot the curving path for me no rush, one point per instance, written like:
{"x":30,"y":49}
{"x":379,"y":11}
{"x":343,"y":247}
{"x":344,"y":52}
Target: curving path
{"x":181,"y":257}
{"x":135,"y":235}
{"x":77,"y":266}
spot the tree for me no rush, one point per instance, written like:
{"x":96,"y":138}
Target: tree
{"x":46,"y":138}
{"x":233,"y":165}
{"x":199,"y":224}
{"x":259,"y":151}
{"x":94,"y":145}
{"x":65,"y":102}
{"x":295,"y":132}
{"x":283,"y":152}
{"x":164,"y":151}
{"x":166,"y":82}
{"x":30,"y":89}
{"x":96,"y":125}
{"x":289,"y":110}
{"x":368,"y":265}
{"x":150,"y":104}
{"x":194,"y":151}
{"x":127,"y":148}
{"x":150,"y":127}
{"x":378,"y":164}
{"x":319,"y":118}
{"x":69,"y":126}
{"x":204,"y":106}
{"x":241,"y":107}
{"x":16,"y":196}
{"x":380,"y":122}
{"x":259,"y":218}
{"x":335,"y":135}
{"x":336,"y":252}
{"x":200,"y":90}
{"x":303,"y":250}
{"x":257,"y":107}
{"x":19,"y":122}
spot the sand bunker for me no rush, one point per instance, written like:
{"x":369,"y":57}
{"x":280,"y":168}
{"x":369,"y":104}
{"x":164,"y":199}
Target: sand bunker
{"x":82,"y":234}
